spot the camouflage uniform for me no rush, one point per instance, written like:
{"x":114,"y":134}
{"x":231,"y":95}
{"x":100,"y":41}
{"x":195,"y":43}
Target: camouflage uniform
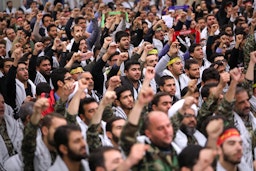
{"x":155,"y":159}
{"x":92,"y":137}
{"x":250,"y":46}
{"x":30,"y":134}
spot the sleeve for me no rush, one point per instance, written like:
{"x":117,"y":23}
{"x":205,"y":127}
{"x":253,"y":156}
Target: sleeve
{"x":28,"y":147}
{"x":128,"y":137}
{"x":95,"y":33}
{"x":92,"y":137}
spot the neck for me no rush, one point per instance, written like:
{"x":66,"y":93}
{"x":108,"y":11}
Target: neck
{"x":126,"y":111}
{"x":176,"y":76}
{"x":135,"y":84}
{"x":228,"y":166}
{"x":72,"y":165}
{"x":50,"y":147}
{"x":245,"y":118}
{"x":200,"y":61}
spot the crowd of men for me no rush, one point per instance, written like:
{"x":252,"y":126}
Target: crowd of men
{"x":122,"y":85}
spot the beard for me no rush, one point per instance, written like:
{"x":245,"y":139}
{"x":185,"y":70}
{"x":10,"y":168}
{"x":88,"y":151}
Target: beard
{"x":227,"y":158}
{"x":74,"y":156}
{"x":189,"y":131}
{"x":115,"y":138}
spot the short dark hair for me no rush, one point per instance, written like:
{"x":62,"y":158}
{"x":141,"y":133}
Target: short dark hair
{"x":44,"y":16}
{"x":193,"y":46}
{"x":119,"y":35}
{"x":58,"y":75}
{"x":189,"y":156}
{"x":61,"y":135}
{"x":42,"y":88}
{"x":47,"y":120}
{"x":40,"y":59}
{"x":5,"y":60}
{"x":85,"y":101}
{"x":157,"y":97}
{"x":205,"y":91}
{"x":210,"y":73}
{"x":109,"y":124}
{"x":96,"y":158}
{"x":129,"y":63}
{"x":189,"y":62}
{"x":164,"y":78}
{"x":50,"y":26}
{"x":76,"y":20}
{"x":119,"y":90}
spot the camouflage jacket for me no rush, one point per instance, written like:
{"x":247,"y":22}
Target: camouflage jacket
{"x":155,"y":159}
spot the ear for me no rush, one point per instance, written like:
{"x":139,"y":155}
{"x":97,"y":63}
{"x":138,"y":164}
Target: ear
{"x":117,"y":102}
{"x":60,"y":83}
{"x":63,"y":149}
{"x":109,"y":135}
{"x":186,"y":71}
{"x":169,"y":67}
{"x":81,"y":116}
{"x":154,"y":107}
{"x":45,"y":130}
{"x":161,"y":88}
{"x":147,"y":133}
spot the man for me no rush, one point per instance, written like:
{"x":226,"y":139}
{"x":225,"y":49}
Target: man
{"x":230,"y":150}
{"x":10,"y":133}
{"x":167,"y":84}
{"x":10,"y":9}
{"x":132,"y":77}
{"x":46,"y":21}
{"x":2,"y":49}
{"x":113,"y":130}
{"x":185,"y":122}
{"x":123,"y":41}
{"x":253,"y":100}
{"x":210,"y":20}
{"x":10,"y":36}
{"x":87,"y":108}
{"x":171,"y":65}
{"x":192,"y":69}
{"x":90,"y":90}
{"x":5,"y":65}
{"x":18,"y":79}
{"x":52,"y":31}
{"x":124,"y":102}
{"x":70,"y":144}
{"x":162,"y":101}
{"x":195,"y":157}
{"x":196,"y":52}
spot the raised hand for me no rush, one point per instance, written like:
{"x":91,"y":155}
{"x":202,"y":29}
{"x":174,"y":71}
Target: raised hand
{"x":236,"y":74}
{"x":40,"y":105}
{"x":114,"y":82}
{"x":215,"y":128}
{"x":150,"y":73}
{"x":108,"y":98}
{"x":146,"y":94}
{"x":82,"y":84}
{"x":107,"y":41}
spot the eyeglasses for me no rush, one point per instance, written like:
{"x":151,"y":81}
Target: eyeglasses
{"x":69,"y":78}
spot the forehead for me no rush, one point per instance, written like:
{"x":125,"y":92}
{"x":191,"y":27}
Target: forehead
{"x":233,"y":139}
{"x":243,"y":95}
{"x":73,"y":135}
{"x":193,"y":66}
{"x":151,"y":57}
{"x":86,"y":75}
{"x":158,"y":118}
{"x":134,"y":66}
{"x":119,"y":122}
{"x":57,"y":122}
{"x":126,"y":93}
{"x":169,"y":81}
{"x":190,"y":111}
{"x":165,"y":98}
